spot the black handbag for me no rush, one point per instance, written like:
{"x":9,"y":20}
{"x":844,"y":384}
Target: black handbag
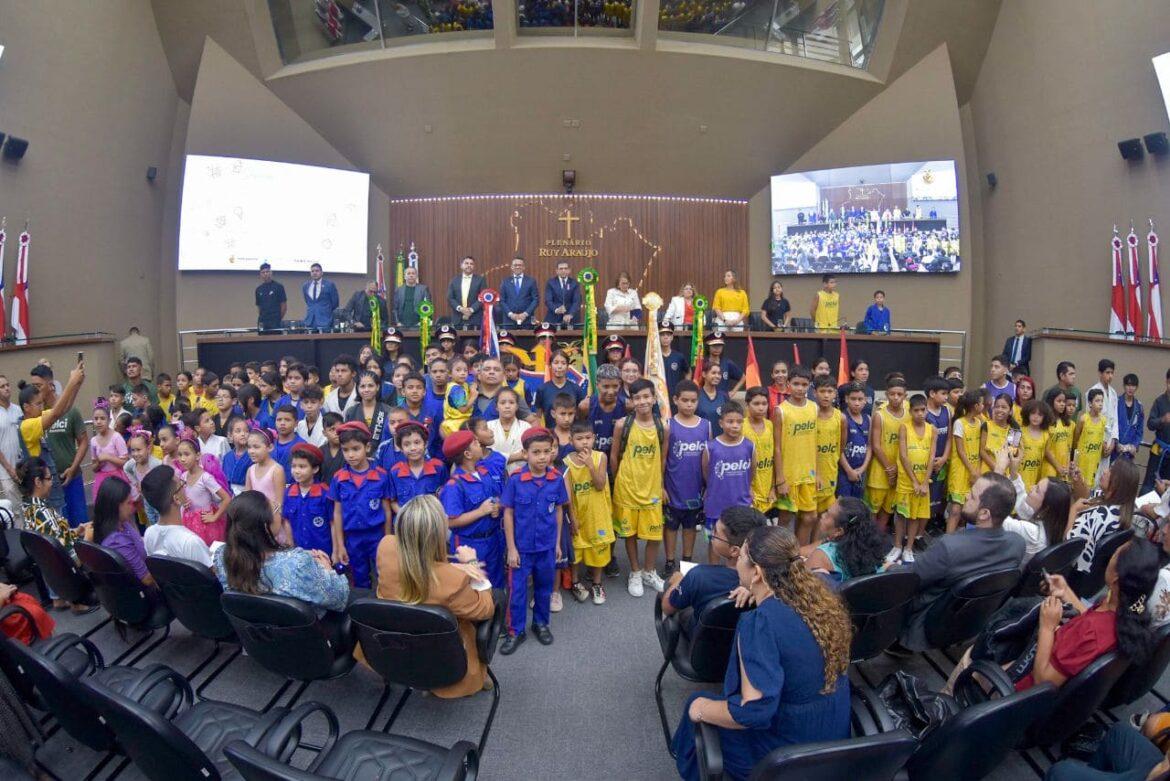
{"x":912,"y":706}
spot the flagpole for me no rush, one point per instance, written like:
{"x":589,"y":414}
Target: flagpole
{"x":3,"y":312}
{"x":1154,"y":331}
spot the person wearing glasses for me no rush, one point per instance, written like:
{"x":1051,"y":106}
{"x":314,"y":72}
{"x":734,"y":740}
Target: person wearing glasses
{"x":163,"y":491}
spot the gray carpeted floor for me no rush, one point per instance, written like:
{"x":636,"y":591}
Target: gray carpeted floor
{"x":581,"y":708}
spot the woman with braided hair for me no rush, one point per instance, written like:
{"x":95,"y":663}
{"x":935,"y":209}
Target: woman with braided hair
{"x":785,"y":682}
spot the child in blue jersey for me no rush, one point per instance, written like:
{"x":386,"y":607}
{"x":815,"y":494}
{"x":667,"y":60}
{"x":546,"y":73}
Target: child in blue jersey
{"x":533,"y":501}
{"x":295,"y":378}
{"x":564,"y":414}
{"x":387,"y":453}
{"x":493,"y":461}
{"x":689,"y":435}
{"x":855,"y":457}
{"x":417,"y":474}
{"x":270,"y":394}
{"x":604,"y":408}
{"x":286,"y":436}
{"x":306,"y":506}
{"x":472,"y":502}
{"x":939,"y":415}
{"x":361,"y":504}
{"x":414,"y":391}
{"x":236,"y":461}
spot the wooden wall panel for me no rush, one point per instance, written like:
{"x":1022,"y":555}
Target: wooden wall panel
{"x":661,"y":242}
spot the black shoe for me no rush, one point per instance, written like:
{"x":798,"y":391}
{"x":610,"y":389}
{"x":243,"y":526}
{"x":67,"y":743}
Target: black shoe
{"x":511,"y":643}
{"x":612,"y":570}
{"x":668,"y":569}
{"x":543,"y":635}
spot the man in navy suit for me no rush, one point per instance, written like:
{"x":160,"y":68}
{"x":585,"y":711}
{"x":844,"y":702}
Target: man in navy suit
{"x":519,"y":297}
{"x":562,"y":298}
{"x":1018,"y":349}
{"x":320,"y":300}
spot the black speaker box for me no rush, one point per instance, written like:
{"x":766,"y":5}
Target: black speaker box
{"x":14,"y":148}
{"x":1131,"y":149}
{"x":1156,"y":143}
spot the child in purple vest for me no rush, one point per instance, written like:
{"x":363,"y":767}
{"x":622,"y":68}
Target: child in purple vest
{"x":684,"y":473}
{"x":729,"y":464}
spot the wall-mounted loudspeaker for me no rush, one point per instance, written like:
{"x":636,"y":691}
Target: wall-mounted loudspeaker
{"x":1131,"y":149}
{"x":1156,"y":143}
{"x":151,"y":173}
{"x":14,"y":149}
{"x":992,"y":180}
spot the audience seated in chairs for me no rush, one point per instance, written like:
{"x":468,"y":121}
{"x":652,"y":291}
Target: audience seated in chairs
{"x":114,"y":514}
{"x":1124,"y":754}
{"x":162,"y":490}
{"x":786,"y":680}
{"x":1095,"y":518}
{"x":36,"y":481}
{"x":1041,"y":514}
{"x":1121,"y":620}
{"x":982,"y":545}
{"x":252,"y":562}
{"x":413,"y":567}
{"x":704,"y":583}
{"x":853,"y":545}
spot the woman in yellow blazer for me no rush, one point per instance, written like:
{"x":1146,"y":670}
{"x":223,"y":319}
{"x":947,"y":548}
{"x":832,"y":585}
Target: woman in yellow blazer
{"x":730,"y":306}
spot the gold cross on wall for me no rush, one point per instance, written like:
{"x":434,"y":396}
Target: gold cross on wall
{"x":568,"y":218}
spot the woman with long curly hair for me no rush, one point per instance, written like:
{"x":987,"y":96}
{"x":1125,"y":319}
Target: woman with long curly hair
{"x":852,"y":545}
{"x":786,"y":680}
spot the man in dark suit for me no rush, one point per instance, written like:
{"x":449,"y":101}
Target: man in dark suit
{"x":320,"y":300}
{"x":463,"y":296}
{"x":1018,"y":349}
{"x":360,"y":308}
{"x":562,"y":298}
{"x":519,"y":298}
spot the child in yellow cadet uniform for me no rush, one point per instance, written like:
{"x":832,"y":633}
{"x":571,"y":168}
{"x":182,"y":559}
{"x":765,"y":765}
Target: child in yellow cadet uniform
{"x":795,"y":426}
{"x":587,"y":480}
{"x":638,"y":455}
{"x":830,"y":441}
{"x":759,"y":430}
{"x":916,"y":446}
{"x":881,"y":482}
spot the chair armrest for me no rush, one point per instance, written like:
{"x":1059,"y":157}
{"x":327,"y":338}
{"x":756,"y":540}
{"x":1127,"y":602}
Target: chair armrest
{"x":968,"y":690}
{"x":156,"y":675}
{"x":488,"y":630}
{"x":708,"y":752}
{"x":283,"y":737}
{"x":56,"y":647}
{"x":667,"y":628}
{"x":865,"y":702}
{"x":18,"y":610}
{"x":462,"y":762}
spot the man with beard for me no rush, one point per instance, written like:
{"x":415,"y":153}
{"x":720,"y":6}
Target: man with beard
{"x":980,"y":545}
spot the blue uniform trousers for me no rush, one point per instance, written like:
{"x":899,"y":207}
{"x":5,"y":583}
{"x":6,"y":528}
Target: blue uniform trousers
{"x":491,"y":551}
{"x":541,"y":566}
{"x":362,"y":545}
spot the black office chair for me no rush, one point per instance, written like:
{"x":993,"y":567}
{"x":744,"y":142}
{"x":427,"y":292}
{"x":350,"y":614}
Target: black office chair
{"x":419,"y":647}
{"x":65,"y":649}
{"x":362,"y":755}
{"x":1086,"y":584}
{"x":1137,"y":681}
{"x":284,"y":635}
{"x":878,"y":605}
{"x":189,"y":746}
{"x":193,"y":593}
{"x":960,"y":613}
{"x":129,"y":602}
{"x":16,"y":565}
{"x":870,"y":758}
{"x":59,"y":571}
{"x":156,"y":687}
{"x":702,"y":657}
{"x":1056,"y":559}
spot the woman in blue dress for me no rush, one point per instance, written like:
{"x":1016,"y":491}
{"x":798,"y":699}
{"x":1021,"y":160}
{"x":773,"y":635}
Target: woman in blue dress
{"x":785,"y":681}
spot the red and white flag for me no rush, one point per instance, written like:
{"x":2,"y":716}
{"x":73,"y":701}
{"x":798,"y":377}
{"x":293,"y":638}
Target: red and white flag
{"x":1136,"y":325}
{"x":3,"y":243}
{"x":1154,"y":308}
{"x":20,"y":327}
{"x":1117,"y":316}
{"x":380,"y":273}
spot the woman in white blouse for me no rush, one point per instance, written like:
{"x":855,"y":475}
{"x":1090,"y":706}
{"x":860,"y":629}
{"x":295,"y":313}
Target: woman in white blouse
{"x":621,"y":302}
{"x":680,"y":311}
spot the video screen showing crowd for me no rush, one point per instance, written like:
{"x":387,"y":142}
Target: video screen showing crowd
{"x":861,"y":244}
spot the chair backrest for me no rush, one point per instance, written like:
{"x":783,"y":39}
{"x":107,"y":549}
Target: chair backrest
{"x":712,"y":636}
{"x":871,"y":758}
{"x":57,"y":567}
{"x":193,"y":593}
{"x":158,"y":748}
{"x":1077,"y":700}
{"x":878,"y":605}
{"x":974,"y":741}
{"x":412,"y":645}
{"x":282,"y":634}
{"x":58,"y":689}
{"x":1087,"y":584}
{"x":254,"y":765}
{"x":1137,"y":681}
{"x":965,"y":608}
{"x":1056,"y":559}
{"x":119,"y":590}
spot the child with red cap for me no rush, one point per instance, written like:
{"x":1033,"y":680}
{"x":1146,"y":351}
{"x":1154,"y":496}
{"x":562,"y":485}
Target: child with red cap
{"x":472,"y":502}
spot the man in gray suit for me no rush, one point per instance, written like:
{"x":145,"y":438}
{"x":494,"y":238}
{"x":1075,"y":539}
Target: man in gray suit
{"x":981,"y":545}
{"x":407,"y":298}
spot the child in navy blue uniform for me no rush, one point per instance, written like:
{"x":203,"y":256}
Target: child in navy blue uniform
{"x":533,"y":501}
{"x":495,"y":462}
{"x":236,"y":461}
{"x":286,"y":436}
{"x":471,"y":499}
{"x":307,"y":507}
{"x":856,"y":454}
{"x":417,"y":475}
{"x":360,"y":492}
{"x":414,"y":391}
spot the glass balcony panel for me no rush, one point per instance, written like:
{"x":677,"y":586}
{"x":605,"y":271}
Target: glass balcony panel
{"x":574,"y":17}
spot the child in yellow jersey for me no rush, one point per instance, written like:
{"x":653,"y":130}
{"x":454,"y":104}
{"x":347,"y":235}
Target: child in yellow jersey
{"x":795,"y":426}
{"x":759,"y":430}
{"x":830,"y":441}
{"x":916,"y":443}
{"x":995,"y":432}
{"x":1060,"y":436}
{"x":1034,"y":441}
{"x":458,"y":400}
{"x":826,"y":305}
{"x":638,"y":489}
{"x":964,"y":469}
{"x":881,"y":482}
{"x":1089,"y":439}
{"x":587,"y":481}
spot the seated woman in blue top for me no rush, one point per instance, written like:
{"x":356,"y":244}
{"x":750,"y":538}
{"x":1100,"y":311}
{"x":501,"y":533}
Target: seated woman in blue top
{"x":253,"y":562}
{"x":785,"y":682}
{"x":851,"y":542}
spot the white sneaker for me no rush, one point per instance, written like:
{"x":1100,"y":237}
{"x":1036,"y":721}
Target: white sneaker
{"x":908,"y":556}
{"x":893,"y":555}
{"x":634,"y":584}
{"x":653,"y":580}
